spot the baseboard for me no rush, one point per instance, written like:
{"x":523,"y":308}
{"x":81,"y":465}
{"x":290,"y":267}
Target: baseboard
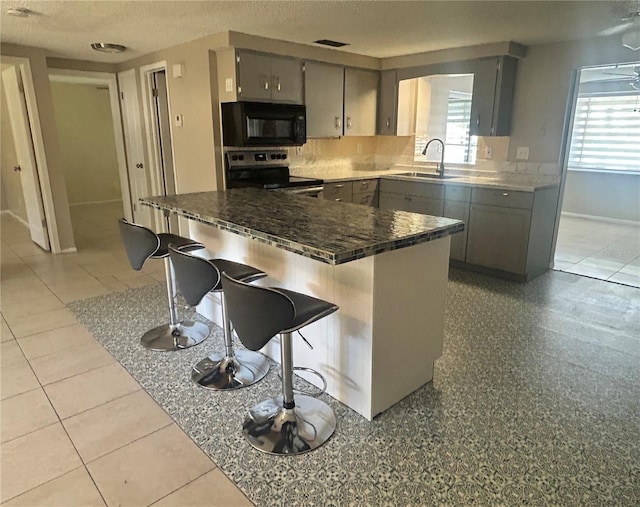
{"x":71,"y":205}
{"x":595,"y":218}
{"x":18,"y":218}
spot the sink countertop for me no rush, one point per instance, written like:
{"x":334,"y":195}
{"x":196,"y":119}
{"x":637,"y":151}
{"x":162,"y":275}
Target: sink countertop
{"x":514,"y":182}
{"x":329,"y":232}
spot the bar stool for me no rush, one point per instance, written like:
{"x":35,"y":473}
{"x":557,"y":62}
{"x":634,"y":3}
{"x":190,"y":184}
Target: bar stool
{"x":196,"y":277}
{"x":141,"y":244}
{"x":281,"y":425}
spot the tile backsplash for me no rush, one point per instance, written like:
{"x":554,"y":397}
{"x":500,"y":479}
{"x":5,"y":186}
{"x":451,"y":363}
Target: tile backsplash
{"x":387,"y":152}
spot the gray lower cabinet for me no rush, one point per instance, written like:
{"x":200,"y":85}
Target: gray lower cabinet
{"x":498,"y":237}
{"x":457,"y":201}
{"x":363,"y":192}
{"x":413,"y":196}
{"x":512,"y":231}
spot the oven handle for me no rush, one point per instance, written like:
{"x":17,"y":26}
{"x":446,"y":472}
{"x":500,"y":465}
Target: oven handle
{"x":302,"y":190}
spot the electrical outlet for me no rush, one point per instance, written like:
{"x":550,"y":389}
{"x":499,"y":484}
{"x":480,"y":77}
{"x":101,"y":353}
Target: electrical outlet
{"x":299,"y":150}
{"x":228,"y":84}
{"x":522,"y":153}
{"x":178,"y":120}
{"x":488,"y":152}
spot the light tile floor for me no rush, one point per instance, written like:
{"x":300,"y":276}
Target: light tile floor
{"x":76,"y":428}
{"x":602,"y":250}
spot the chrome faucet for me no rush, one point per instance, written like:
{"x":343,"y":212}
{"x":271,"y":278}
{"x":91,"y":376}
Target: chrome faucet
{"x":440,"y":169}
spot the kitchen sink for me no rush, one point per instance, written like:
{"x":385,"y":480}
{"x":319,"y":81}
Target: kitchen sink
{"x":426,"y":176}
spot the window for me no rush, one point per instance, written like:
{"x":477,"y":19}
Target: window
{"x":606,"y":132}
{"x":443,"y":111}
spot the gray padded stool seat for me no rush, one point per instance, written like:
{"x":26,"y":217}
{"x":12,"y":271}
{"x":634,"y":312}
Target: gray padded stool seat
{"x":141,"y":244}
{"x":196,"y":277}
{"x":282,"y":425}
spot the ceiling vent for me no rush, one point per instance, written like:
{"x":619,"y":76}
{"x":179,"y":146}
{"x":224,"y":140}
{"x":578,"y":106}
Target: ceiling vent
{"x":332,"y":43}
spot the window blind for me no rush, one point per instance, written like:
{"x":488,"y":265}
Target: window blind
{"x":606,"y":133}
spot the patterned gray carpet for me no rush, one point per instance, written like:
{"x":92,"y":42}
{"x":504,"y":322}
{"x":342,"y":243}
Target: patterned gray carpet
{"x":535,"y":401}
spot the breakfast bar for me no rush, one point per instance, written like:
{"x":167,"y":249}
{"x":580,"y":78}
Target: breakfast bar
{"x":386,"y":270}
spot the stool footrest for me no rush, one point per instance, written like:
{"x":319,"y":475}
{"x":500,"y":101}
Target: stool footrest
{"x":169,"y":337}
{"x":218,"y":372}
{"x":273,"y":429}
{"x":314,"y":372}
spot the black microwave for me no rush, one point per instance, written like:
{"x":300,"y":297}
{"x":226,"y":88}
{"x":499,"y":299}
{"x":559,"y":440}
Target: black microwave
{"x":263,"y":124}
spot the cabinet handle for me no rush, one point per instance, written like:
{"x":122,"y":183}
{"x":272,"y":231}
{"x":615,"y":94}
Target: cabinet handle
{"x":478,"y":121}
{"x":348,"y":122}
{"x":338,"y":123}
{"x":388,"y":122}
{"x":505,"y":193}
{"x":139,"y":165}
{"x":276,"y":80}
{"x":17,"y":168}
{"x":338,"y":200}
{"x":338,"y":186}
{"x":265,"y":83}
{"x":364,"y":183}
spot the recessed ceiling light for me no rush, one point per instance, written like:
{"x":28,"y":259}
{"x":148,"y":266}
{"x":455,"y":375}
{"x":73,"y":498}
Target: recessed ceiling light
{"x":19,"y":12}
{"x":332,"y":43}
{"x":108,"y":47}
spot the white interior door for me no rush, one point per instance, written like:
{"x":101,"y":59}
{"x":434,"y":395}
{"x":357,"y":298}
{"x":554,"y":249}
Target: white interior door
{"x":19,"y":119}
{"x":138,"y":173}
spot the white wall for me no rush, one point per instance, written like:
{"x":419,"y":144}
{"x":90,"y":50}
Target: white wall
{"x":87,"y":144}
{"x":603,"y":195}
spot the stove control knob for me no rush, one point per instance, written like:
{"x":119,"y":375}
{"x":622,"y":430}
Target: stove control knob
{"x":240,"y":157}
{"x":234,"y":157}
{"x":284,"y":155}
{"x":273,"y":156}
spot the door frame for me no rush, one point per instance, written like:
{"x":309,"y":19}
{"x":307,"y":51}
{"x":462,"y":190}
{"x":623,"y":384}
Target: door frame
{"x":152,"y":134}
{"x":111,"y":81}
{"x":24,"y":66}
{"x":567,"y":129}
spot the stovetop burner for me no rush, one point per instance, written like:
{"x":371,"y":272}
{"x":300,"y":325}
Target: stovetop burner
{"x":267,"y":169}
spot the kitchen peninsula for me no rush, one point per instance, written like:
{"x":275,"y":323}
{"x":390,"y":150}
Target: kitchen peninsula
{"x":387,"y":270}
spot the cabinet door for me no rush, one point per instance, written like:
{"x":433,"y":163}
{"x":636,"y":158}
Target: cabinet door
{"x":360,"y":102}
{"x":393,"y":201}
{"x":286,"y":80}
{"x":254,"y":76}
{"x":460,"y":211}
{"x":498,"y":237}
{"x":340,"y":192}
{"x":484,"y":85}
{"x":388,"y":106}
{"x":426,"y":206}
{"x":323,"y":89}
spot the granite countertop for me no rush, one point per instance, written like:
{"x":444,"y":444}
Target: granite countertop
{"x":326,"y":231}
{"x":515,"y":184}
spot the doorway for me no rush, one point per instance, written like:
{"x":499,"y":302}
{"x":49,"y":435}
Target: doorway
{"x":90,"y":141}
{"x":599,"y":227}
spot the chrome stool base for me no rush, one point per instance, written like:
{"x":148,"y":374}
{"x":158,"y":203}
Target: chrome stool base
{"x":272,"y":429}
{"x":168,"y":338}
{"x":243,"y":369}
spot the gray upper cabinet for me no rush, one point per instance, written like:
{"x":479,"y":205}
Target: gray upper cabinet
{"x":268,"y":78}
{"x":493,"y":85}
{"x":324,"y":88}
{"x":360,"y":102}
{"x":388,"y":103}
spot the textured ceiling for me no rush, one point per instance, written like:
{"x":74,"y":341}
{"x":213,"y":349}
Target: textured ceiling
{"x":374,"y":28}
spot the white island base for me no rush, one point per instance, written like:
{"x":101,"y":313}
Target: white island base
{"x":381,"y":344}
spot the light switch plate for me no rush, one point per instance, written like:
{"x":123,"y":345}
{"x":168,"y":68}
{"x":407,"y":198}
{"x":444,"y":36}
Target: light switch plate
{"x":228,"y":84}
{"x":522,"y":153}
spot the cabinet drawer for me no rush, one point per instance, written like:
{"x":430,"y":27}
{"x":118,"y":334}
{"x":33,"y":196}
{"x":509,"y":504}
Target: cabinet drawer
{"x":339,"y":191}
{"x":365,"y":198}
{"x":506,"y":198}
{"x":457,"y":193}
{"x":414,"y":188}
{"x":365,"y":185}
